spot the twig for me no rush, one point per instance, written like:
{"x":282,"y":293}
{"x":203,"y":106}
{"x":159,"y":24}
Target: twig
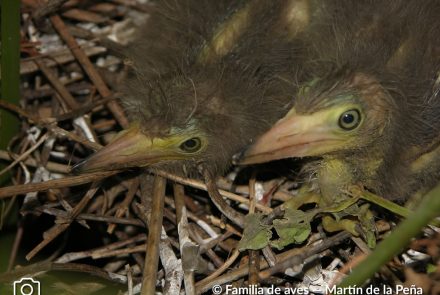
{"x":254,"y":257}
{"x":64,"y":56}
{"x":63,"y":224}
{"x":64,"y":94}
{"x":219,"y":271}
{"x":233,"y":275}
{"x":125,"y":251}
{"x":200,"y":185}
{"x":87,"y":107}
{"x":52,"y":184}
{"x":196,"y":236}
{"x":220,"y":203}
{"x":270,"y":187}
{"x":88,"y":67}
{"x":191,"y":250}
{"x":300,"y":259}
{"x":269,"y":255}
{"x":15,"y":246}
{"x":172,"y":266}
{"x":47,"y":8}
{"x":49,"y":124}
{"x":95,"y":253}
{"x":85,"y":216}
{"x":128,"y":270}
{"x":154,"y":231}
{"x":123,"y":206}
{"x":25,"y":154}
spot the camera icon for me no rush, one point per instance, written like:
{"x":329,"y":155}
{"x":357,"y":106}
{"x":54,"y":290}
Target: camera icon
{"x":27,"y":286}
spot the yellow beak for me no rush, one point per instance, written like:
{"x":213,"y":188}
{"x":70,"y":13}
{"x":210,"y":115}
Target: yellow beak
{"x":294,"y":136}
{"x":129,"y":148}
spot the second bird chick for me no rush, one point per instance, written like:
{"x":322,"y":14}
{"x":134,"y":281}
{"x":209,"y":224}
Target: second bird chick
{"x":369,"y":109}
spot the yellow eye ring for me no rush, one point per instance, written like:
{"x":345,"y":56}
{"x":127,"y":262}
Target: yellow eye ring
{"x":350,"y":119}
{"x":191,"y":145}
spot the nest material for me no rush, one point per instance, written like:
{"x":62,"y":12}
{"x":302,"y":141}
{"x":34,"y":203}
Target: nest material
{"x":99,"y":223}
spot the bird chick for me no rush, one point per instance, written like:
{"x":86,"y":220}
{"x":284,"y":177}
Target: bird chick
{"x":368,"y":110}
{"x":198,"y":117}
{"x":203,"y":83}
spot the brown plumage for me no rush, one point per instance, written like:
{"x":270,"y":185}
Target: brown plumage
{"x":204,"y":81}
{"x":370,"y":110}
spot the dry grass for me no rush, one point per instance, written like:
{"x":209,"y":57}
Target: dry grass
{"x":107,"y":224}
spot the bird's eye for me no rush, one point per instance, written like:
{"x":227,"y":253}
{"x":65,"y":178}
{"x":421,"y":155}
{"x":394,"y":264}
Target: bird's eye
{"x":191,"y":145}
{"x":349,"y":120}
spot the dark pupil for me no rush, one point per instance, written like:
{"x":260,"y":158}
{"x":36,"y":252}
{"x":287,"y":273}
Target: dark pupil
{"x":348,"y":118}
{"x":190,"y":143}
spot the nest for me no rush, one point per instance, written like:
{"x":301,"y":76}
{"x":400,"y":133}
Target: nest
{"x":139,"y":227}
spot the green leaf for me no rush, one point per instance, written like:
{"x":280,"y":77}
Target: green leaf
{"x":256,"y":235}
{"x":293,"y":228}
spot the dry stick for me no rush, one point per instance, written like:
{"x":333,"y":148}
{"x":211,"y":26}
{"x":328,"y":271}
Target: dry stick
{"x":88,"y":67}
{"x":300,"y":258}
{"x":129,"y":273}
{"x":219,"y":271}
{"x":269,"y":255}
{"x":64,"y":94}
{"x":93,"y":217}
{"x":205,"y":285}
{"x":254,"y":257}
{"x":127,"y":243}
{"x":58,"y":228}
{"x":196,"y":236}
{"x":221,"y":224}
{"x":63,"y":133}
{"x":48,"y":8}
{"x":96,"y":253}
{"x":25,"y":154}
{"x":271,"y":187}
{"x":205,"y":246}
{"x":49,"y":124}
{"x":15,"y":246}
{"x":154,"y":231}
{"x":214,"y":242}
{"x":125,"y":251}
{"x":61,"y":57}
{"x":186,"y":245}
{"x":203,"y":223}
{"x":86,"y":108}
{"x":16,"y":109}
{"x":87,"y":16}
{"x":200,"y":185}
{"x":171,"y":265}
{"x":123,"y":206}
{"x":220,"y":203}
{"x":52,"y":184}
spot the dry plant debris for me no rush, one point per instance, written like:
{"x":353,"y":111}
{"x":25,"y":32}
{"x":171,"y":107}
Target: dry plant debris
{"x":138,"y":227}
